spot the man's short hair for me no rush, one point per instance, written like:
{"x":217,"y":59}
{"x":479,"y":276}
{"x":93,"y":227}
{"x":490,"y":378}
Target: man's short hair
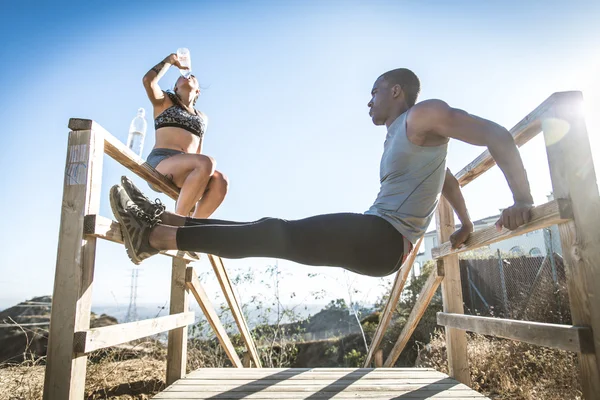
{"x":407,"y":80}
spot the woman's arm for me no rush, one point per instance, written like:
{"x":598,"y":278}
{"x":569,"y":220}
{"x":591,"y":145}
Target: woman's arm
{"x":451,"y":191}
{"x":154,"y":92}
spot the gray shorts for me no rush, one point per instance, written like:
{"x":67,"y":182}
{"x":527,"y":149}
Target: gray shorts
{"x":156,"y":156}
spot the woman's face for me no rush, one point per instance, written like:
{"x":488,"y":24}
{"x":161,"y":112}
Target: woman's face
{"x":184,"y":83}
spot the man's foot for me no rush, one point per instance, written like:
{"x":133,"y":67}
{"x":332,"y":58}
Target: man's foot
{"x":153,"y":209}
{"x":135,"y":225}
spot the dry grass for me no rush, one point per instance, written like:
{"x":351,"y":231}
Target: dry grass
{"x":505,"y":369}
{"x":133,"y":373}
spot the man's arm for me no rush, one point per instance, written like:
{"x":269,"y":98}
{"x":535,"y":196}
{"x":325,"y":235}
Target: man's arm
{"x":434,"y":117}
{"x":451,"y":191}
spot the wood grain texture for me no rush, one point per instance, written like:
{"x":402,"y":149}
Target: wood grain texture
{"x":563,"y":337}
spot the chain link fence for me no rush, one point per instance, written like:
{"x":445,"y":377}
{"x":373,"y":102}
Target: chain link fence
{"x":520,"y":278}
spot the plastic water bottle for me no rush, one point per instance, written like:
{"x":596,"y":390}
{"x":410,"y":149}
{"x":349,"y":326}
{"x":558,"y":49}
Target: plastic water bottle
{"x":183,"y":55}
{"x":137,"y":132}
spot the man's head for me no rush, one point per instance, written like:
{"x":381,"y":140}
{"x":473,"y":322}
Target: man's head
{"x":393,"y":93}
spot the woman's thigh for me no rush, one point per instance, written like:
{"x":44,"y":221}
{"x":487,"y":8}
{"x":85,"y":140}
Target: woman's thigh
{"x":178,"y":167}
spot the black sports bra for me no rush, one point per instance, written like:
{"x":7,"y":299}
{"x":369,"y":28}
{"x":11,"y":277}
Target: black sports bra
{"x":179,"y":117}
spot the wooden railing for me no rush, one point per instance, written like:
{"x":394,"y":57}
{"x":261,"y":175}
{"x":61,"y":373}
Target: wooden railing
{"x":576,"y":210}
{"x":70,"y":337}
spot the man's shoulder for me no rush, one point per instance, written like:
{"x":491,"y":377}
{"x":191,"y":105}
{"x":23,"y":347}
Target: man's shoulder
{"x":429,"y":106}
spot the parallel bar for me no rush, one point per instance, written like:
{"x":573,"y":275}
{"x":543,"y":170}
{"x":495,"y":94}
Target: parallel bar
{"x":124,"y":156}
{"x":104,"y":228}
{"x":234,"y":305}
{"x":563,"y":337}
{"x":524,"y":131}
{"x":427,"y":293}
{"x":178,"y":338}
{"x":554,"y":212}
{"x":193,"y":283}
{"x":107,"y":336}
{"x":390,"y":305}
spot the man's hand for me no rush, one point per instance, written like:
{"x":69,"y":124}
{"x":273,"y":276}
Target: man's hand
{"x":515,"y":216}
{"x":458,"y":238}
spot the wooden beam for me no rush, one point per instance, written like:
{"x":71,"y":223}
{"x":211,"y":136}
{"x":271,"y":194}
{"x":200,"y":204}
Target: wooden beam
{"x":194,"y":285}
{"x":104,"y":228}
{"x":573,"y":177}
{"x":72,"y":294}
{"x":107,"y":336}
{"x":234,"y":306}
{"x":124,"y":156}
{"x":456,"y":340}
{"x":427,"y":293}
{"x":378,"y":359}
{"x":563,"y":337}
{"x":392,"y":301}
{"x":524,"y":131}
{"x":177,"y":340}
{"x":548,"y":214}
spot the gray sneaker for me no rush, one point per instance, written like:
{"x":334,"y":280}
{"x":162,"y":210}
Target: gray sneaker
{"x":153,"y":208}
{"x":135,"y":225}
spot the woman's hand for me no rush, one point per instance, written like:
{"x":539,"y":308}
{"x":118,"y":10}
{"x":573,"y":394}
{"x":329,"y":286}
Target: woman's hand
{"x":458,"y":238}
{"x":174,"y":60}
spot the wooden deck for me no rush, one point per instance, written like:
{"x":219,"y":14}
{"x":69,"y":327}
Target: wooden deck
{"x":317,"y":384}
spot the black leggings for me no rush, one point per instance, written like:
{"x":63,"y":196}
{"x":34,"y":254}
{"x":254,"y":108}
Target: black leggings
{"x":365,"y":244}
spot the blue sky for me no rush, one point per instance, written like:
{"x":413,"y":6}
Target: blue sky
{"x":286,"y":89}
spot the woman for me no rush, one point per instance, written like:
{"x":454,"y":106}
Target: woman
{"x":177,"y":152}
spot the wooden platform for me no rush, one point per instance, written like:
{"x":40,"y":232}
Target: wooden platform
{"x":317,"y":384}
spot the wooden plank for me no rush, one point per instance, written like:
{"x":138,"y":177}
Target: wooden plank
{"x":124,"y":156}
{"x":427,"y":293}
{"x":456,"y":340}
{"x":390,"y":305}
{"x":554,"y":212}
{"x":379,"y":358}
{"x":104,"y":228}
{"x":420,"y":394}
{"x":563,"y":337}
{"x":524,"y":131}
{"x":72,"y":294}
{"x":177,"y":341}
{"x":107,"y":336}
{"x":194,"y":285}
{"x":307,"y":383}
{"x":573,"y":177}
{"x":234,"y":306}
{"x":353,"y":387}
{"x":312,"y":374}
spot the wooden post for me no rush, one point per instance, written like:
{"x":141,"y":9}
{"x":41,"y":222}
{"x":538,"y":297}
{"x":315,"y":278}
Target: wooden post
{"x":72,"y":295}
{"x":177,"y":342}
{"x":378,"y":358}
{"x":573,"y":177}
{"x":456,"y":340}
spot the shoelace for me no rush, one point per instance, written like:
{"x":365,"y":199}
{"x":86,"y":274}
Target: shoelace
{"x":139,"y":213}
{"x":159,"y":208}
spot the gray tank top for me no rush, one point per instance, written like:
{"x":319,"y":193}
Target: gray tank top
{"x":411,"y":182}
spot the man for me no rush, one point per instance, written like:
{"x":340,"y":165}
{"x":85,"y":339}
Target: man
{"x":413,"y":173}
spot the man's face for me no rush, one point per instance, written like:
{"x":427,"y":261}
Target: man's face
{"x":380,"y":103}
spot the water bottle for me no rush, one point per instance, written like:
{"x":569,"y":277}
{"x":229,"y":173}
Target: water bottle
{"x":185,"y":60}
{"x":137,"y":132}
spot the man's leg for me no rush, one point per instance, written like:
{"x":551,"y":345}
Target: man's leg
{"x":365,"y":244}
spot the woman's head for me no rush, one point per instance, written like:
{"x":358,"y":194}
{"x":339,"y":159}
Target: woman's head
{"x":185,"y":86}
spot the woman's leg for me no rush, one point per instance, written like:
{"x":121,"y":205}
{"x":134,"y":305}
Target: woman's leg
{"x":191,"y":173}
{"x":365,"y":244}
{"x":213,"y":196}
